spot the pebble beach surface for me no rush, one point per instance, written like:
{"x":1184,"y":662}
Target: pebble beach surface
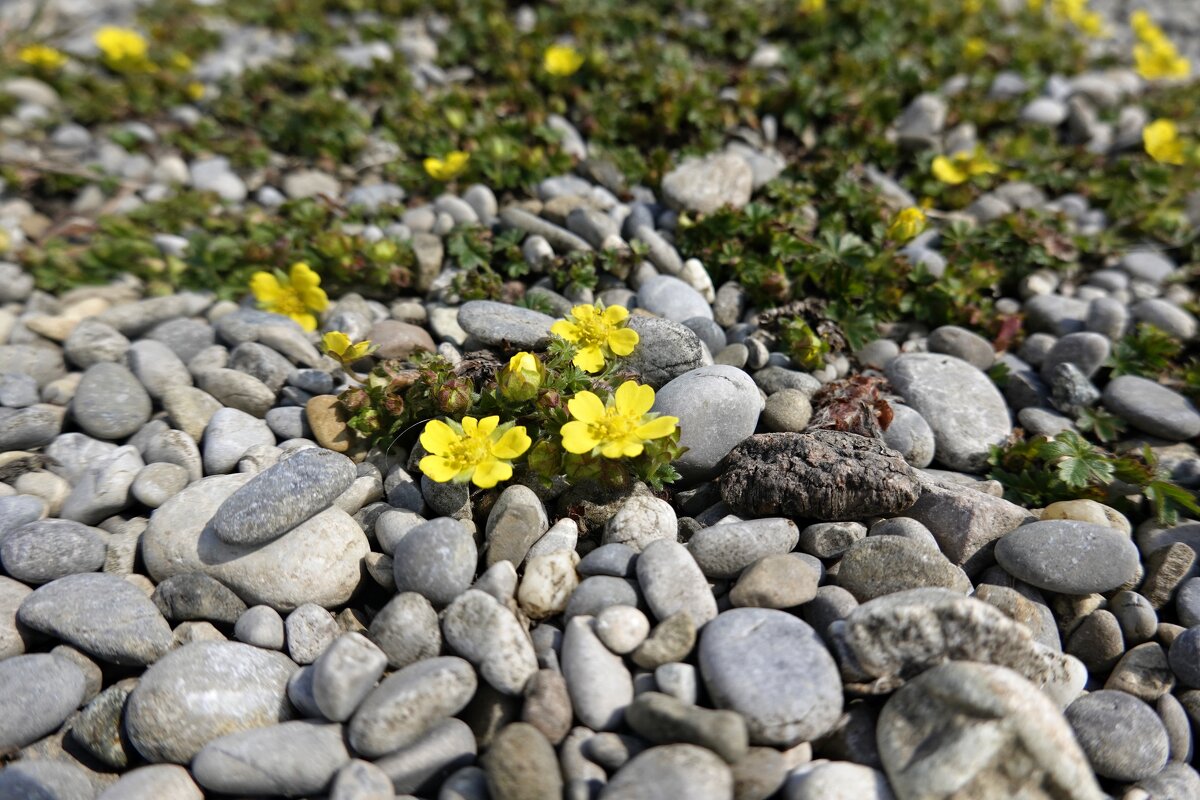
{"x":210,"y":587}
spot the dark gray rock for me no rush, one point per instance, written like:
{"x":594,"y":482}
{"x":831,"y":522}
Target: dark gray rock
{"x":665,"y":350}
{"x":110,"y":402}
{"x":1068,"y":556}
{"x":292,"y":759}
{"x":45,"y":550}
{"x":1121,"y":736}
{"x":37,"y":692}
{"x":196,"y":596}
{"x":502,"y":324}
{"x":1152,"y":408}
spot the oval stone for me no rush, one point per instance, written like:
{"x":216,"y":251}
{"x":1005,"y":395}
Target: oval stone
{"x":774,"y":670}
{"x":717,"y":408}
{"x":202,"y":691}
{"x":1069,"y":557}
{"x":292,"y":759}
{"x":409,"y":702}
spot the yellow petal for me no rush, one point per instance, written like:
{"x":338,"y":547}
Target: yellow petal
{"x":657,"y":428}
{"x":583,"y":312}
{"x":618,"y":448}
{"x":633,"y":400}
{"x":589,"y":359}
{"x":438,"y":437}
{"x":303,"y":277}
{"x":357,"y":351}
{"x":336,"y":343}
{"x":577,"y":438}
{"x":947,"y":171}
{"x":265,"y":287}
{"x":623,"y":341}
{"x":488,"y":424}
{"x":586,"y":407}
{"x":437,"y":468}
{"x":314,"y":298}
{"x":306,"y":321}
{"x":615,"y":315}
{"x":488,"y":473}
{"x":565,"y":330}
{"x":470,"y":426}
{"x":513,"y":443}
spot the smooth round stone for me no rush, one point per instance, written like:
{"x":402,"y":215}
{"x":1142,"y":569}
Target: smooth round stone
{"x":229,"y":434}
{"x":1005,"y":732}
{"x":642,"y":519}
{"x":717,"y":408}
{"x":712,"y":334}
{"x":548,"y":705}
{"x":45,"y":550}
{"x":621,"y":628}
{"x":516,"y":521}
{"x":37,"y":693}
{"x":26,"y":428}
{"x":670,"y":297}
{"x":963,"y":344}
{"x":880,"y":565}
{"x":495,"y":323}
{"x":547,"y":584}
{"x":281,"y":497}
{"x":361,"y":780}
{"x":19,"y":510}
{"x":406,"y":630}
{"x":486,"y":633}
{"x":290,"y":759}
{"x":157,"y":367}
{"x":1087,"y":351}
{"x":237,"y":390}
{"x":36,"y":779}
{"x":261,"y":363}
{"x":775,"y":581}
{"x":672,"y":582}
{"x":705,"y":184}
{"x":614,"y":560}
{"x":665,"y":350}
{"x":787,"y":410}
{"x":1176,"y":780}
{"x":1121,"y":736}
{"x":663,"y":719}
{"x":1184,"y":657}
{"x":409,"y":702}
{"x":309,"y":630}
{"x":345,"y":673}
{"x":963,"y":408}
{"x":672,"y":770}
{"x":522,"y":765}
{"x":92,"y":342}
{"x":436,"y":559}
{"x":195,"y":596}
{"x":1069,"y":557}
{"x":1166,"y":316}
{"x":837,"y":780}
{"x":103,"y":488}
{"x":1152,"y":408}
{"x":598,"y":681}
{"x":155,"y":782}
{"x":260,"y":626}
{"x":739,"y":656}
{"x":419,"y":767}
{"x":101,"y":614}
{"x":723,"y":551}
{"x":910,"y":436}
{"x":157,"y":483}
{"x":203,"y":691}
{"x":319,"y":561}
{"x":598,"y":592}
{"x":17,"y":390}
{"x":110,"y":402}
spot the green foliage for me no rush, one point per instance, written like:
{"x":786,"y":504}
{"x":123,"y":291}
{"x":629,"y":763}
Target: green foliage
{"x":1104,"y":426}
{"x":1148,"y":352}
{"x":1043,"y":470}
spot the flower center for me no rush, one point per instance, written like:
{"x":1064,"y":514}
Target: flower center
{"x":289,"y":303}
{"x":613,"y":428}
{"x":468,"y":452}
{"x":594,"y":332}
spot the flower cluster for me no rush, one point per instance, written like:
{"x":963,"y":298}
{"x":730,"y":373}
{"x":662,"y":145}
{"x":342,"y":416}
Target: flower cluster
{"x":123,"y":50}
{"x":557,"y":410}
{"x":562,"y":60}
{"x":42,"y":57}
{"x":961,"y":166}
{"x":1154,"y":55}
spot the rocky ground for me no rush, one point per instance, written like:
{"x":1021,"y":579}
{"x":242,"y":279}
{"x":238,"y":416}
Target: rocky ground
{"x":940,"y":548}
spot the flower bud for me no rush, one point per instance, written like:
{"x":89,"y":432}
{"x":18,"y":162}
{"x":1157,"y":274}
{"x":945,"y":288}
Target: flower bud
{"x":354,"y":399}
{"x":520,"y":380}
{"x":454,"y":396}
{"x":550,"y":399}
{"x":545,"y":459}
{"x":393,"y":404}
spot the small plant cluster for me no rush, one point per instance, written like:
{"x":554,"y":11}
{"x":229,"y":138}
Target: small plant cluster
{"x":1042,"y":470}
{"x":570,"y":412}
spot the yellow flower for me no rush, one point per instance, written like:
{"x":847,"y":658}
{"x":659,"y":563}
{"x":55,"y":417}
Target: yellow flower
{"x":1162,"y":142}
{"x":297,"y":295}
{"x":810,"y":7}
{"x":195,"y":90}
{"x":448,"y":168}
{"x":1154,"y":61}
{"x":562,"y":60}
{"x":122,"y":48}
{"x":480,"y":451}
{"x":907,"y":224}
{"x":974,"y":48}
{"x":522,"y":377}
{"x":181,"y":62}
{"x":337,"y":345}
{"x":957,"y":168}
{"x":1036,"y":5}
{"x":619,"y":428}
{"x":40,"y":56}
{"x":598,"y":335}
{"x":972,"y":6}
